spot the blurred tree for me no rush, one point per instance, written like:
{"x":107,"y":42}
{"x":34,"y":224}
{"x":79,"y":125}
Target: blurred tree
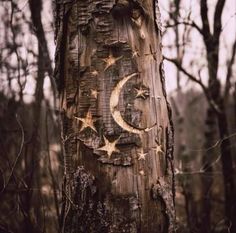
{"x":117,"y":131}
{"x":217,"y":95}
{"x":29,"y":183}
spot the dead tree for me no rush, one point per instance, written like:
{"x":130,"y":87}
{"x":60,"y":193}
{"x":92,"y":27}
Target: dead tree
{"x":117,"y":133}
{"x":218,"y":99}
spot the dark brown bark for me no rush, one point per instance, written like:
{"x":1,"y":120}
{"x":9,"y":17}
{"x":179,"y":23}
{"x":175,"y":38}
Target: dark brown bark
{"x":207,"y":169}
{"x":110,"y":76}
{"x":190,"y":208}
{"x":234,"y":101}
{"x":214,"y":90}
{"x":228,"y":170}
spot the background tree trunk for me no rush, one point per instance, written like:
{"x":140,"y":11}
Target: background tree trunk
{"x":207,"y":169}
{"x":117,"y":131}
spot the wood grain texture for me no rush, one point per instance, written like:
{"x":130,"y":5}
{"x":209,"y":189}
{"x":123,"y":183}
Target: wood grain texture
{"x":98,"y":44}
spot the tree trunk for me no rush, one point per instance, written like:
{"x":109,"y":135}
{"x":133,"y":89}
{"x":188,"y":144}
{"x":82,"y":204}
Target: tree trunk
{"x":228,"y":170}
{"x":117,"y":131}
{"x":208,"y":158}
{"x":225,"y":145}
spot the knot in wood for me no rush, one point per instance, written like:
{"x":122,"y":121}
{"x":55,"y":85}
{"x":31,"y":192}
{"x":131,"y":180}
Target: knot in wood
{"x":135,"y":13}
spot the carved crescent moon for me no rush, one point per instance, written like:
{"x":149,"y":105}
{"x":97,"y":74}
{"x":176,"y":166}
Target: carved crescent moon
{"x":116,"y":114}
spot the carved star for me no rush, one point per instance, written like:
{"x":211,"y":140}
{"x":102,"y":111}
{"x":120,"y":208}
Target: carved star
{"x":135,"y":53}
{"x":141,"y":93}
{"x":110,"y":60}
{"x":87,"y":122}
{"x":109,"y":147}
{"x":141,"y":172}
{"x":158,"y":149}
{"x":94,"y":93}
{"x":138,"y":21}
{"x":94,"y":73}
{"x":142,"y":155}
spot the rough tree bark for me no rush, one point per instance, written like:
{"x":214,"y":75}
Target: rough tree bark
{"x":117,"y":130}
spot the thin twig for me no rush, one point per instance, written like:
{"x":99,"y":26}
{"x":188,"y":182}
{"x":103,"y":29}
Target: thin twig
{"x":198,"y":81}
{"x":18,"y":155}
{"x":217,"y":143}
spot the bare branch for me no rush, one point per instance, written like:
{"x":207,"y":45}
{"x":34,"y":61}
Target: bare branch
{"x":205,"y":21}
{"x":198,"y":81}
{"x":229,"y":72}
{"x":187,"y":23}
{"x":18,"y":155}
{"x":15,"y":48}
{"x":217,"y":19}
{"x":35,"y":8}
{"x":180,"y":67}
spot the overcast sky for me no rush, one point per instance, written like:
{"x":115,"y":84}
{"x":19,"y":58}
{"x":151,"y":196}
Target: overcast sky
{"x":193,"y":50}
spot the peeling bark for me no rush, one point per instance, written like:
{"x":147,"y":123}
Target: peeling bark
{"x":117,"y":130}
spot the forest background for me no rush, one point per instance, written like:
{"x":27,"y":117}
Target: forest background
{"x":199,"y":56}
